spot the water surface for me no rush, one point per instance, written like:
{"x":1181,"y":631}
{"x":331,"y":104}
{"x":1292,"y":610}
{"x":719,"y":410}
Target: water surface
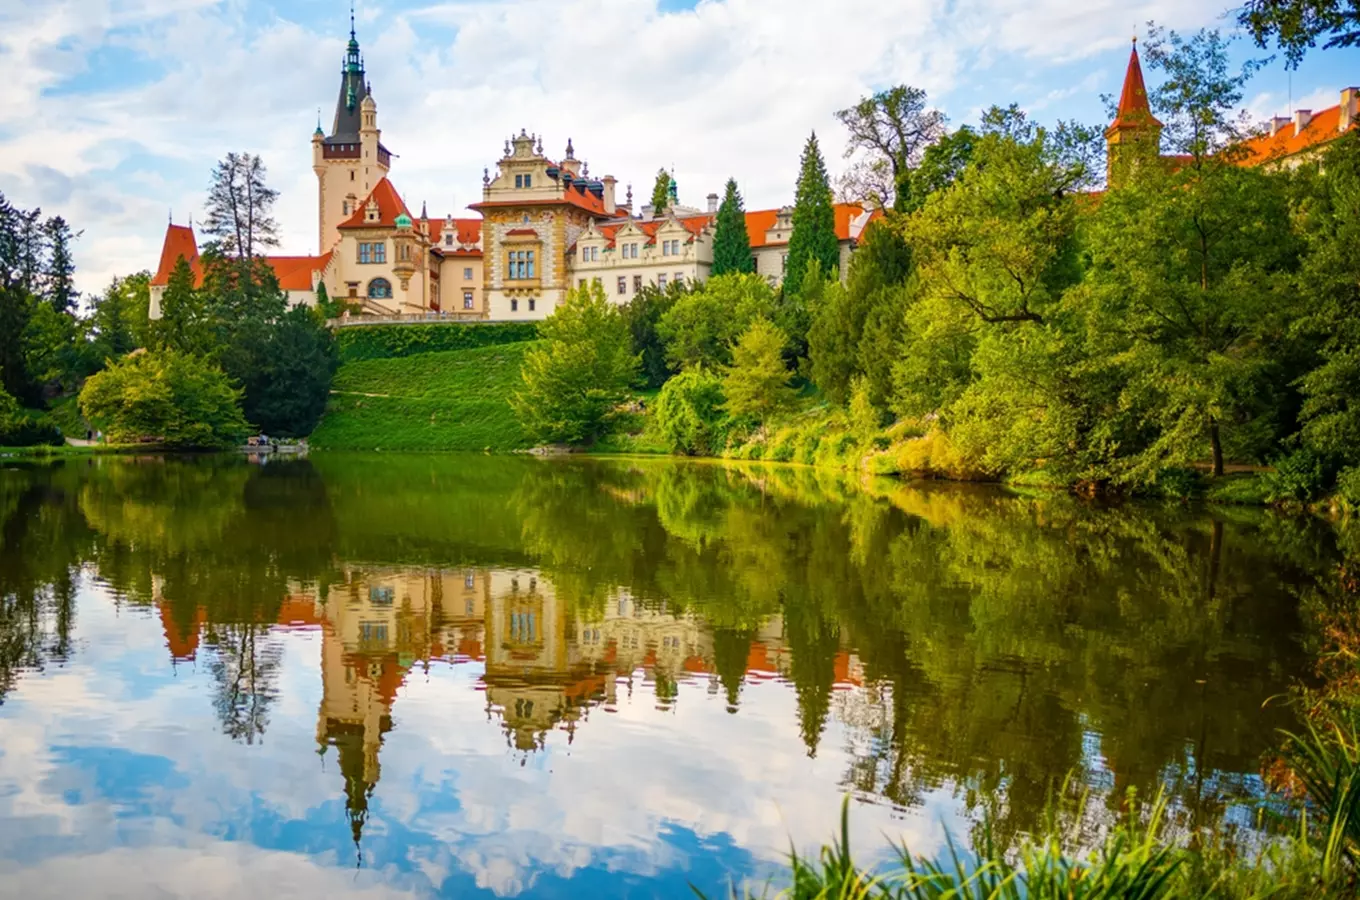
{"x":466,"y":676}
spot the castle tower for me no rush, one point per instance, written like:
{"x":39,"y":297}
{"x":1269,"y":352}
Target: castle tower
{"x":1135,"y":134}
{"x":351,"y":160}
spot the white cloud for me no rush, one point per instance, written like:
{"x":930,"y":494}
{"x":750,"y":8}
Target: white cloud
{"x":731,"y":87}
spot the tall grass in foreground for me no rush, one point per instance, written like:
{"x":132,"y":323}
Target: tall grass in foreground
{"x":1135,"y":861}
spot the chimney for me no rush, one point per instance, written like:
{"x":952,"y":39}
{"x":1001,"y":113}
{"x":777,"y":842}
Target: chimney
{"x":1301,"y":119}
{"x":1277,"y":123}
{"x":712,"y":204}
{"x":609,"y":181}
{"x":1350,"y":108}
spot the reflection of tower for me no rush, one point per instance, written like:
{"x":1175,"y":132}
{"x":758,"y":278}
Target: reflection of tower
{"x":526,"y":659}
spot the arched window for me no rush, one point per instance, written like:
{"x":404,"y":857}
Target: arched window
{"x":380,"y":289}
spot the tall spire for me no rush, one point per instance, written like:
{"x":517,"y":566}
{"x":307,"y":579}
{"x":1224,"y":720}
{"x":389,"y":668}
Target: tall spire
{"x":1134,"y":109}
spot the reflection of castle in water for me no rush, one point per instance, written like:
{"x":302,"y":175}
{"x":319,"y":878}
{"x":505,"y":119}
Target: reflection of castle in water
{"x":545,"y":666}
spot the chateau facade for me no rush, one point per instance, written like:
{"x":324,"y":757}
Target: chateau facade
{"x":544,"y":226}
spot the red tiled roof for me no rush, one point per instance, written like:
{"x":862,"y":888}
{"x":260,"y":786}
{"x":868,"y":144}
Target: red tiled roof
{"x":179,"y":242}
{"x":758,"y":222}
{"x":1322,"y":128}
{"x":1134,"y":110}
{"x":295,"y":272}
{"x":390,"y":205}
{"x":522,"y":231}
{"x":182,"y":644}
{"x":467,"y":231}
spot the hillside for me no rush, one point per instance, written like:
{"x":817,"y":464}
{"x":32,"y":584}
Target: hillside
{"x":449,"y":400}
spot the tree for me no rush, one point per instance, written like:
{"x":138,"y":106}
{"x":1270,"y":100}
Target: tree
{"x":892,"y":128}
{"x":19,"y":428}
{"x":757,"y":383}
{"x":165,"y":396}
{"x":575,"y":381}
{"x":731,"y":241}
{"x":185,"y":323}
{"x":1296,"y":25}
{"x":59,"y":287}
{"x":643,"y":315}
{"x":699,"y":329}
{"x":239,"y":207}
{"x":661,"y":193}
{"x":814,"y":221}
{"x":287,"y":380}
{"x":689,"y":413}
{"x":941,"y":164}
{"x":118,"y":317}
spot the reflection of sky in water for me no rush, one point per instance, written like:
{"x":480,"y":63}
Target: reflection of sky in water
{"x":114,"y":771}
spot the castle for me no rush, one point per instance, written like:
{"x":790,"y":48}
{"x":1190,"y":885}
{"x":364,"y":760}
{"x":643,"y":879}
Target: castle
{"x":544,"y":226}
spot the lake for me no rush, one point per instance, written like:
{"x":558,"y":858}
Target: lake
{"x":487,"y":676}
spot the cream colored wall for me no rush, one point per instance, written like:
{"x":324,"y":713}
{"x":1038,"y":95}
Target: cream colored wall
{"x":346,"y":267}
{"x":692,"y":264}
{"x":452,"y":284}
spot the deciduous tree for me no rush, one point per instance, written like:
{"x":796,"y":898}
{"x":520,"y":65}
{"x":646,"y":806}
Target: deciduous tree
{"x":891,"y":130}
{"x":170,"y":397}
{"x":757,"y":383}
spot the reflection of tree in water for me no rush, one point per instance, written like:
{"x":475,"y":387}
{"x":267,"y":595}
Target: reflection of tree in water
{"x":245,"y":669}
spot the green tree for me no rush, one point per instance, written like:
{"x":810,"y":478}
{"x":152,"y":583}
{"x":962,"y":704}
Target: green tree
{"x":731,"y":241}
{"x":59,"y":282}
{"x":643,"y":315}
{"x":21,"y":428}
{"x":1199,"y":97}
{"x":699,"y":329}
{"x":941,"y":164}
{"x":575,"y":381}
{"x":1297,"y":25}
{"x":184,"y":324}
{"x":757,"y":383}
{"x":118,"y":317}
{"x":661,"y":193}
{"x":240,"y":207}
{"x":689,"y":413}
{"x":166,"y":396}
{"x":892,"y":129}
{"x":288,"y":379}
{"x":814,"y":221}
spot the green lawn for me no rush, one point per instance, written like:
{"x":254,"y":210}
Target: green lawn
{"x":450,"y":400}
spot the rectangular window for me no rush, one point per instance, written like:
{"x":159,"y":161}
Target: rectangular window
{"x":467,"y":299}
{"x":514,"y":305}
{"x":661,"y":281}
{"x":531,"y":304}
{"x":679,"y":277}
{"x":637,"y":283}
{"x":519,"y":181}
{"x":448,"y":239}
{"x":470,"y":580}
{"x":467,"y":274}
{"x":665,"y":248}
{"x":623,"y":284}
{"x":365,"y":253}
{"x":580,"y":282}
{"x":529,"y":180}
{"x":529,"y":270}
{"x":784,"y":262}
{"x":382,"y":596}
{"x":380,"y":252}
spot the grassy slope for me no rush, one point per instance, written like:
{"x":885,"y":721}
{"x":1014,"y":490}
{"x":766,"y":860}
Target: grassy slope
{"x":452,"y":400}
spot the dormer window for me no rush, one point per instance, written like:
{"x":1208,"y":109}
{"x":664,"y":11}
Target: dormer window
{"x":524,"y":181}
{"x":448,"y":239}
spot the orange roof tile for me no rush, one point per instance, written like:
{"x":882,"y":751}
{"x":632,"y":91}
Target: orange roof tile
{"x":467,"y":231}
{"x":179,"y":242}
{"x":1134,"y":110}
{"x":390,"y":205}
{"x":1324,"y":126}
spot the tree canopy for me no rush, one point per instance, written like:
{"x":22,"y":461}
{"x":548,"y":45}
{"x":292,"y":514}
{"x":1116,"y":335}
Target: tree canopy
{"x":731,"y":241}
{"x":814,"y":221}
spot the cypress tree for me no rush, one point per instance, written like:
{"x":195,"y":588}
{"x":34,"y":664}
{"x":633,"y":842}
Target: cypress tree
{"x":731,"y":243}
{"x":814,"y":221}
{"x":661,"y":193}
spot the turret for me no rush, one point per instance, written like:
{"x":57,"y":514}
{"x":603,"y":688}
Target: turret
{"x":405,"y":250}
{"x":1135,"y":134}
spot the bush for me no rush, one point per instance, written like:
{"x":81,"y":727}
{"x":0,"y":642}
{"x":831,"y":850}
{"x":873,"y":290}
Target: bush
{"x":23,"y":428}
{"x":386,"y":341}
{"x":689,"y":413}
{"x":1301,"y":476}
{"x":165,"y":397}
{"x":1348,"y":487}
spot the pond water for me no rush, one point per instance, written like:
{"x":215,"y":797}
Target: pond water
{"x":468,"y":676}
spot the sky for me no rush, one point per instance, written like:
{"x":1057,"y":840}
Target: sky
{"x":116,"y":110}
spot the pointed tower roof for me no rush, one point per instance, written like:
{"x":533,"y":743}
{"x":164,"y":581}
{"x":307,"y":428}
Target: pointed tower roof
{"x":353,"y":92}
{"x":1134,"y":110}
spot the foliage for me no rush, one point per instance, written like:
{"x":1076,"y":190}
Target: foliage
{"x":359,"y":342}
{"x":287,"y":380}
{"x":661,"y":193}
{"x":240,"y":205}
{"x":1198,"y":95}
{"x":731,"y":241}
{"x":22,"y":428}
{"x":1297,"y":25}
{"x":118,"y":317}
{"x":165,"y":396}
{"x":700,"y":327}
{"x":643,"y":313}
{"x":576,"y":379}
{"x":442,"y":400}
{"x":1298,"y":477}
{"x":756,"y":384}
{"x":689,"y":413}
{"x":941,"y":164}
{"x":814,"y":221}
{"x":892,"y":129}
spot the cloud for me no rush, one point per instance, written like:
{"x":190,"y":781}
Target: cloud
{"x":117,"y":109}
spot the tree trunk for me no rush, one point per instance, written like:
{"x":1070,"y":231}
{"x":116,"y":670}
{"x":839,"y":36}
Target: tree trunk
{"x":1217,"y":447}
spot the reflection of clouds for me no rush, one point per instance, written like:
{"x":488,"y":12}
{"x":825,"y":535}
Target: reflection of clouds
{"x":687,"y":792}
{"x":209,"y":870}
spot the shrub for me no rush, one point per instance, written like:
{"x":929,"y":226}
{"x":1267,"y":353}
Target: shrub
{"x":386,"y":341}
{"x":1348,"y":487}
{"x":1300,"y":477}
{"x":23,"y":428}
{"x":689,"y":413}
{"x":168,"y":397}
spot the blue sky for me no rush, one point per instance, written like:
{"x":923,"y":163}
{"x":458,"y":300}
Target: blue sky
{"x":117,"y":109}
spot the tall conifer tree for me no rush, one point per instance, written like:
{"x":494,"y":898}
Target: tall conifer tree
{"x":731,"y":243}
{"x":661,"y":193}
{"x":814,"y":221}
